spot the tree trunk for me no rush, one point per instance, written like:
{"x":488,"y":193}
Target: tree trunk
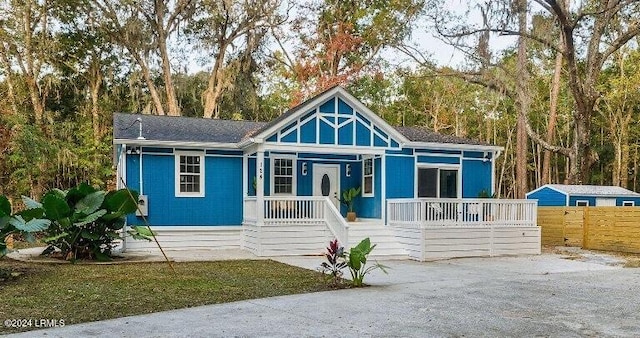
{"x":215,"y":86}
{"x":522,"y":104}
{"x":146,"y":74}
{"x":553,"y":119}
{"x":36,"y":102}
{"x":172,"y":101}
{"x":95,"y":82}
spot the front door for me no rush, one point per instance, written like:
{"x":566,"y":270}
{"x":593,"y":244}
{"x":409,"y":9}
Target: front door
{"x":326,"y":182}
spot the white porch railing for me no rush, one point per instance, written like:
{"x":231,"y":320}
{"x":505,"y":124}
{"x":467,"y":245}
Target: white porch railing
{"x":298,"y":210}
{"x":250,"y":210}
{"x":461,"y":212}
{"x":287,"y":210}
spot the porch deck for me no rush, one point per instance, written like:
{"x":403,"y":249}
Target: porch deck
{"x":447,"y":228}
{"x":420,"y":229}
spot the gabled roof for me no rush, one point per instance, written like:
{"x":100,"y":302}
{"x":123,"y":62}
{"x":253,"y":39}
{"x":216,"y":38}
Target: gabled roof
{"x":290,"y":112}
{"x":182,"y":129}
{"x":338,"y":91}
{"x":172,"y":129}
{"x":588,"y":190}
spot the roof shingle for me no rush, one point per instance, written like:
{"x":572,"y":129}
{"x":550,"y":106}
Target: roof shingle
{"x":185,"y":129}
{"x":593,"y":190}
{"x":416,"y":134}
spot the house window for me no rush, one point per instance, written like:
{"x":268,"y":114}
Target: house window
{"x":628,"y":203}
{"x":582,"y":203}
{"x":189,"y":175}
{"x":438,"y":182}
{"x":367,"y":177}
{"x":283,"y":176}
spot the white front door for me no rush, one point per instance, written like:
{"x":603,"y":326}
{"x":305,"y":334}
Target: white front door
{"x":326,"y":182}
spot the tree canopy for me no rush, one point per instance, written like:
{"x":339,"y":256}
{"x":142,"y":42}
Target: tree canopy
{"x":556,"y":83}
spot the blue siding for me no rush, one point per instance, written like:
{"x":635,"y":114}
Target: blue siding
{"x":636,"y":200}
{"x":400,"y":172}
{"x":221,"y":205}
{"x":363,"y":135}
{"x":549,"y":197}
{"x":344,"y":108}
{"x":403,"y":151}
{"x":474,"y":154}
{"x":574,"y":199}
{"x":476,"y":177}
{"x":225,"y":152}
{"x":327,"y":133}
{"x":267,"y":176}
{"x":158,"y":150}
{"x":290,"y":138}
{"x":304,"y":186}
{"x":439,"y":159}
{"x":378,"y":142}
{"x":308,"y":132}
{"x":251,"y":176}
{"x":345,"y":134}
{"x":328,"y":156}
{"x":370,"y":207}
{"x":328,"y":106}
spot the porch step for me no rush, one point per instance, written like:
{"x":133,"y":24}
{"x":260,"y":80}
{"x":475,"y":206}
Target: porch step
{"x":387,"y":245}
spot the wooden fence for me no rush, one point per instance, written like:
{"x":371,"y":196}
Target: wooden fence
{"x":599,"y":228}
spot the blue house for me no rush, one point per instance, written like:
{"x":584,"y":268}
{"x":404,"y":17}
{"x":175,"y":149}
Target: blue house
{"x":583,"y":195}
{"x":207,"y":183}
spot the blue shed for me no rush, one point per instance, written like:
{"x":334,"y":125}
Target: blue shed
{"x":583,"y":195}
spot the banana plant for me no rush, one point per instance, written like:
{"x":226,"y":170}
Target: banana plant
{"x":84,"y":221}
{"x":26,"y":222}
{"x":357,"y":262}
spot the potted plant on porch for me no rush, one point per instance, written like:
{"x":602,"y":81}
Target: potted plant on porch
{"x":348,"y":197}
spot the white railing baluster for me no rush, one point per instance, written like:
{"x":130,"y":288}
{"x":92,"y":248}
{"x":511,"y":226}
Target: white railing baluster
{"x":461,"y":212}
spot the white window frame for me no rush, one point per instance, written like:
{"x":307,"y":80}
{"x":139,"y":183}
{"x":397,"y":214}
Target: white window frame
{"x":177,"y":155}
{"x":586,"y":203}
{"x":372,"y":174}
{"x":294,"y":174}
{"x":628,"y":203}
{"x":439,"y":167}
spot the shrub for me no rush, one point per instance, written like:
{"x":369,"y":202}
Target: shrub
{"x":84,"y":221}
{"x":335,"y":261}
{"x":26,"y":222}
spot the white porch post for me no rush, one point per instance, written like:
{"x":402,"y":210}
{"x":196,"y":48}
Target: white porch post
{"x":383,"y":188}
{"x":260,"y":187}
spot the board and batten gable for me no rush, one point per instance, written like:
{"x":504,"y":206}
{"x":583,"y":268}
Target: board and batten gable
{"x":220,"y":203}
{"x":335,"y":122}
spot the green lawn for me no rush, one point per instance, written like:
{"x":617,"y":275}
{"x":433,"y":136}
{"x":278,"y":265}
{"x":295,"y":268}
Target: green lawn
{"x":81,"y":293}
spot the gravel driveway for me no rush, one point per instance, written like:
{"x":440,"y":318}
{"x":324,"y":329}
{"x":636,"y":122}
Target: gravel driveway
{"x":544,"y":295}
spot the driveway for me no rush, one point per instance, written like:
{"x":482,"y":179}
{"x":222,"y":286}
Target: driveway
{"x":544,"y":295}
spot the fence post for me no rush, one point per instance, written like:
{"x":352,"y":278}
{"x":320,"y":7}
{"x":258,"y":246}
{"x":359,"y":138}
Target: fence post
{"x":585,"y":228}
